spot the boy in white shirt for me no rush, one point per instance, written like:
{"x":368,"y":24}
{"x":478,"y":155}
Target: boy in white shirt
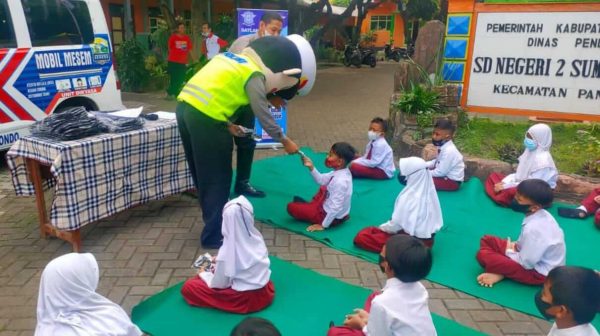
{"x":417,"y":210}
{"x":400,"y":308}
{"x":331,"y":204}
{"x":448,"y":168}
{"x":540,"y":247}
{"x":535,"y":163}
{"x":570,"y":297}
{"x":378,"y":161}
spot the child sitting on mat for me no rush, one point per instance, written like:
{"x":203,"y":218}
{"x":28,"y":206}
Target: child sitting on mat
{"x":255,"y":326}
{"x":378,"y":161}
{"x":240,"y":282}
{"x":535,"y":163}
{"x":400,"y":308}
{"x":447,"y":167}
{"x":331,"y":205}
{"x":416,"y":213}
{"x":570,"y":297}
{"x":590,"y":206}
{"x":540,"y":247}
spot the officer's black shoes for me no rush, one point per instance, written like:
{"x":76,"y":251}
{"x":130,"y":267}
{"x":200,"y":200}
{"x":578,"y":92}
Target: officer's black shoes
{"x":246,"y":189}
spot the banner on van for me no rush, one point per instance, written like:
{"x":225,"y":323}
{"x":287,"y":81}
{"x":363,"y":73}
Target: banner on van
{"x":60,"y":73}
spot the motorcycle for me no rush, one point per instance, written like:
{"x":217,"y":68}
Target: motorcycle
{"x":397,"y":54}
{"x":353,"y":55}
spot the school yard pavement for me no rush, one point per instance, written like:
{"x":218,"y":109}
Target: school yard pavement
{"x":145,"y":249}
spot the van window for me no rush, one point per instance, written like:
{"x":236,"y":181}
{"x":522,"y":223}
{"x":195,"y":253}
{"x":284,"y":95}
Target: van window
{"x":58,"y":22}
{"x":7,"y":34}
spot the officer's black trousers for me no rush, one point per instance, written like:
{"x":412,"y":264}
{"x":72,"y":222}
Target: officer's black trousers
{"x":208,"y":148}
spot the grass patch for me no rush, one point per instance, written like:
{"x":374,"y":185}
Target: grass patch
{"x":572,"y":144}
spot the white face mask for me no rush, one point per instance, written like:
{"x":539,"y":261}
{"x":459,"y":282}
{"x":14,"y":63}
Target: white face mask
{"x":205,"y":34}
{"x":267,"y":33}
{"x":372,"y":135}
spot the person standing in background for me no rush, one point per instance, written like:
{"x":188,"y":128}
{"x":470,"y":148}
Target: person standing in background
{"x":270,"y":24}
{"x":211,"y":43}
{"x":180,"y":46}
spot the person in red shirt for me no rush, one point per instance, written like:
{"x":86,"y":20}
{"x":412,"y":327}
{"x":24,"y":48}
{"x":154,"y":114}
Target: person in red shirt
{"x":180,"y":46}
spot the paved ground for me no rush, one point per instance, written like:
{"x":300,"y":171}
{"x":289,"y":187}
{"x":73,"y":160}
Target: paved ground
{"x":145,"y":249}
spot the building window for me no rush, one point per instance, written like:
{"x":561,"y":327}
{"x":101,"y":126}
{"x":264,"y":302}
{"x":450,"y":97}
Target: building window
{"x":187,"y":21}
{"x":381,"y":22}
{"x":58,"y":23}
{"x":154,"y":18}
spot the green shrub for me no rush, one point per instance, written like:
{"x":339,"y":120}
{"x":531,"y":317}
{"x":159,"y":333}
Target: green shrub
{"x":419,"y":99}
{"x":130,"y":65}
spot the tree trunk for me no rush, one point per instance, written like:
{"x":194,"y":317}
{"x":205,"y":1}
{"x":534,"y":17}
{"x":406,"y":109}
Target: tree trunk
{"x":129,"y":29}
{"x":199,"y":14}
{"x":168,"y":15}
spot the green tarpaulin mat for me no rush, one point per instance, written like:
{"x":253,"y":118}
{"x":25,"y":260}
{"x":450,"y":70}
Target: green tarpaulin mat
{"x":468,"y":215}
{"x":305,"y":302}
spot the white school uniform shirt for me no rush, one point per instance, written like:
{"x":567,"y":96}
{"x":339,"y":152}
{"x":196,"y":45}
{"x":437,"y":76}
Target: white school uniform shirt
{"x":449,"y":163}
{"x":401,"y":310}
{"x":536,"y":164}
{"x":243,"y":260}
{"x":212,"y":46}
{"x":580,"y":330}
{"x":339,"y":193}
{"x":417,"y":209}
{"x":382,"y":156}
{"x":541,"y":244}
{"x":69,"y":305}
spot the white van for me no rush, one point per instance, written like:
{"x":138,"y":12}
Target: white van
{"x":53,"y":55}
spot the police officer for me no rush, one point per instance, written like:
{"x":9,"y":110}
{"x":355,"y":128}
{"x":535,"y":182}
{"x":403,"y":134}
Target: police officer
{"x":207,"y":120}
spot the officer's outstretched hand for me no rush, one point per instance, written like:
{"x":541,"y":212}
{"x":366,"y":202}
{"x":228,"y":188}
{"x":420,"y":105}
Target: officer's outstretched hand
{"x":289,"y":146}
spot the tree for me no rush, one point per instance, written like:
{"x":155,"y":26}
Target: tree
{"x":415,"y":10}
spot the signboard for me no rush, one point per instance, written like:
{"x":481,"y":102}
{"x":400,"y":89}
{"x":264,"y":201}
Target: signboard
{"x":248,"y":23}
{"x":249,"y":19}
{"x":547,"y":61}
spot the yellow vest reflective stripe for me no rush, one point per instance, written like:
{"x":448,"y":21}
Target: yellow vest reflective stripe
{"x":218,"y":89}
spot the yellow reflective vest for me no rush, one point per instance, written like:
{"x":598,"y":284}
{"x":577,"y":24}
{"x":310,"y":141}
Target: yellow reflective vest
{"x":218,"y":89}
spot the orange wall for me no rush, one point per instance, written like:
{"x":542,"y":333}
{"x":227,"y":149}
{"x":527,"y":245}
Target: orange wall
{"x":383,"y":36}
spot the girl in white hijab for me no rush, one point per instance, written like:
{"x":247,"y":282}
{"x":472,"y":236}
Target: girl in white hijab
{"x":417,"y":210}
{"x":535,"y":163}
{"x":241,"y":279}
{"x":68,"y":304}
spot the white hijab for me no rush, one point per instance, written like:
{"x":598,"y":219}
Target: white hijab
{"x":69,"y":305}
{"x":417,"y":209}
{"x":539,"y":158}
{"x":243,"y":245}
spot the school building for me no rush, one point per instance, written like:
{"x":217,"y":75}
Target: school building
{"x":384,"y":20}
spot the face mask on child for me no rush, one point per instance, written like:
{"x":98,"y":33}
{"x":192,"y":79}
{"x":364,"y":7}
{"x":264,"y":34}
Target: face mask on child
{"x":530,"y":144}
{"x":543,"y":306}
{"x":372,"y":135}
{"x":439,"y":143}
{"x":381,"y":260}
{"x":330,"y":163}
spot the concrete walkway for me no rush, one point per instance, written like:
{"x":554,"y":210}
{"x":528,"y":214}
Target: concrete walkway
{"x":148,"y":248}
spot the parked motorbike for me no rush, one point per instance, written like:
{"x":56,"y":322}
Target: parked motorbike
{"x":353,"y":55}
{"x":397,"y":54}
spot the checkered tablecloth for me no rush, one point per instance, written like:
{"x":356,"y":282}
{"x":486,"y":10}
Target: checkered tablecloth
{"x":99,"y":176}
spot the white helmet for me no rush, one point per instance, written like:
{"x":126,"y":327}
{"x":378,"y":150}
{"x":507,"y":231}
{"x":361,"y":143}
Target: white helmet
{"x":309,"y":64}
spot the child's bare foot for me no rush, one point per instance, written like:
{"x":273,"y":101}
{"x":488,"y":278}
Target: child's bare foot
{"x":489,"y":279}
